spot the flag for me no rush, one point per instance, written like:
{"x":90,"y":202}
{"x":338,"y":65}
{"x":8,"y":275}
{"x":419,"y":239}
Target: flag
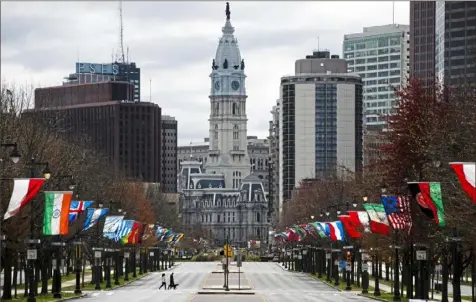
{"x":129,"y":238}
{"x":124,"y":229}
{"x":24,"y":189}
{"x":55,"y":218}
{"x":398,"y":212}
{"x":378,"y":218}
{"x":351,"y":225}
{"x":336,"y":231}
{"x":319,"y":229}
{"x":111,"y":225}
{"x":363,"y":218}
{"x":77,"y":207}
{"x":149,"y":231}
{"x":428,"y":197}
{"x":93,"y":216}
{"x":466,"y":173}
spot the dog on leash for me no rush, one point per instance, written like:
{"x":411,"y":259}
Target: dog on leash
{"x":174,"y":286}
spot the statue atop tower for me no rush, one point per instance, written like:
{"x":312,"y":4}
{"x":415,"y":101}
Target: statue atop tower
{"x":227,"y":11}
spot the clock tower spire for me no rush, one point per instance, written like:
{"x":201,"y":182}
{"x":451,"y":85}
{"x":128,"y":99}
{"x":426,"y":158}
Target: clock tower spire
{"x":228,"y":152}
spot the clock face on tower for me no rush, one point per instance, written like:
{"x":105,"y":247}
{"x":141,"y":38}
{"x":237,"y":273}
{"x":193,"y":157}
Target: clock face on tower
{"x":217,"y":85}
{"x":235,"y":85}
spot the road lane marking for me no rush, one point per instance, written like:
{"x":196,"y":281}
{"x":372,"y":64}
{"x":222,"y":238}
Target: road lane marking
{"x":264,"y":298}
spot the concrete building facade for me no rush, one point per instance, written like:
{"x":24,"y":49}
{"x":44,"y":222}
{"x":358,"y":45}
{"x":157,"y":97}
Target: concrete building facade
{"x":380,"y":55}
{"x":320,"y":122}
{"x":169,"y":154}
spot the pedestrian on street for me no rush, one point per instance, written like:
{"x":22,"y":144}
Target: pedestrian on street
{"x":164,"y":285}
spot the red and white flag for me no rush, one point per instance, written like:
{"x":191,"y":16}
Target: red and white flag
{"x":467,"y":177}
{"x":24,"y":189}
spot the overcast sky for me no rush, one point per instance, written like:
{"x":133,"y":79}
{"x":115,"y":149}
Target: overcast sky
{"x":174,"y":43}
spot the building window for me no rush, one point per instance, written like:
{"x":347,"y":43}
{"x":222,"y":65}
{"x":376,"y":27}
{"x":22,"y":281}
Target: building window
{"x":258,"y":217}
{"x":218,"y":218}
{"x":234,"y":109}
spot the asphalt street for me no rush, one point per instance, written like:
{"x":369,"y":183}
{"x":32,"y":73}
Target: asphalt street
{"x":268,"y":281}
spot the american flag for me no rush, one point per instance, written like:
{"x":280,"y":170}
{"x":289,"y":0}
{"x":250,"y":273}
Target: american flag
{"x":77,"y":207}
{"x":398,"y":211}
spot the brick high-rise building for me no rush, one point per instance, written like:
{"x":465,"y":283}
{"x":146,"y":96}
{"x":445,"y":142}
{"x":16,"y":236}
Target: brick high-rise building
{"x":127,"y":132}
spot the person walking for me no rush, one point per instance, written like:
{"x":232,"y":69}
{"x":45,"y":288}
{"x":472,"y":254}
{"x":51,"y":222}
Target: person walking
{"x":164,"y":285}
{"x":172,"y":283}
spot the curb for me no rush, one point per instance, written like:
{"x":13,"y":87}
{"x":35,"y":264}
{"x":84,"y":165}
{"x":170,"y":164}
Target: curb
{"x":72,"y":298}
{"x":224,"y":293}
{"x":231,"y":272}
{"x":373,"y":298}
{"x":128,"y":282}
{"x":280,"y":266}
{"x":247,"y":288}
{"x":329,"y":284}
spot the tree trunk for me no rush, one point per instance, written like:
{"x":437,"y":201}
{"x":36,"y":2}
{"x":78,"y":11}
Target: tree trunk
{"x":457,"y":277}
{"x":7,"y":274}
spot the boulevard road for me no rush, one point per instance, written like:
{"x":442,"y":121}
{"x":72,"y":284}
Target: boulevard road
{"x":268,"y":281}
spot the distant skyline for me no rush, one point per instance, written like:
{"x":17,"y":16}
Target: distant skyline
{"x":174,"y":43}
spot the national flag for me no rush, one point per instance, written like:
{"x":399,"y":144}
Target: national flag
{"x":149,"y":231}
{"x":124,"y":229}
{"x":398,"y":212}
{"x":55,"y":218}
{"x":336,"y":231}
{"x":429,"y":199}
{"x":351,"y":225}
{"x":318,"y":229}
{"x":111,"y":225}
{"x":378,"y":218}
{"x":466,"y":173}
{"x":129,"y":238}
{"x":93,"y":216}
{"x":363,"y":218}
{"x":24,"y":189}
{"x":77,"y":207}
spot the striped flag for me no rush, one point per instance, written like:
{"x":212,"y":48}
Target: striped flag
{"x":124,"y":229}
{"x":398,"y":211}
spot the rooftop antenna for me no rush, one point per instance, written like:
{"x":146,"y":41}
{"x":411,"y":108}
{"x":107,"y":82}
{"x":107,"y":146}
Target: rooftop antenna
{"x":127,"y":55}
{"x":150,"y":90}
{"x":120,"y":56}
{"x":393,"y":12}
{"x":318,"y":49}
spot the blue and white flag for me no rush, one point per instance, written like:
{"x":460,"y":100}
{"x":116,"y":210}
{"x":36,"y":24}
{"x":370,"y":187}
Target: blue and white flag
{"x":93,"y":216}
{"x":77,"y":207}
{"x":111,"y":225}
{"x":124,"y":229}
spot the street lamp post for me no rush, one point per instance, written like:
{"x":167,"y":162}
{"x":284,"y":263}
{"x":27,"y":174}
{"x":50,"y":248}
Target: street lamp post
{"x":32,"y":243}
{"x":57,"y":264}
{"x":97,"y":258}
{"x":15,"y":158}
{"x":126,"y":274}
{"x":377,"y":280}
{"x":78,"y":245}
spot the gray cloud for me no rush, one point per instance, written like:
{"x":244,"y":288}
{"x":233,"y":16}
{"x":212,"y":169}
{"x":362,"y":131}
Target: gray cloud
{"x":174,"y":42}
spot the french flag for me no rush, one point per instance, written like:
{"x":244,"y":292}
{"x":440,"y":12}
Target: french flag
{"x":336,"y":231}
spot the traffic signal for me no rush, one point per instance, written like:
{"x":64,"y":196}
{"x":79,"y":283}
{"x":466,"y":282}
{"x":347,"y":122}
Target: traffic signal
{"x":349,"y":257}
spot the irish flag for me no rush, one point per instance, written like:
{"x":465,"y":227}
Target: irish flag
{"x":24,"y":190}
{"x":467,"y":177}
{"x":55,"y":220}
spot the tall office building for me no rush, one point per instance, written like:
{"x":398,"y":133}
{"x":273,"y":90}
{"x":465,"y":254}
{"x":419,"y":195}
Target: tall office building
{"x":128,"y":133}
{"x":320,"y":122}
{"x":95,"y":72}
{"x":455,"y":39}
{"x":169,"y":154}
{"x":422,"y":42}
{"x":380,"y":55}
{"x":443,"y":41}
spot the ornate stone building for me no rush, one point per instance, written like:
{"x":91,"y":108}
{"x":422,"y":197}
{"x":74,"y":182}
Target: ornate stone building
{"x":221,"y":194}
